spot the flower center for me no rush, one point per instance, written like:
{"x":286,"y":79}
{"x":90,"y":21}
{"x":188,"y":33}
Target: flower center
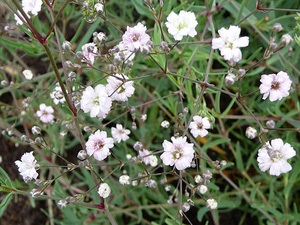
{"x":135,"y":37}
{"x":275,"y":155}
{"x":199,"y":126}
{"x":275,"y":85}
{"x":177,"y":153}
{"x":99,"y":145}
{"x":96,"y":101}
{"x":121,"y":89}
{"x":182,"y":26}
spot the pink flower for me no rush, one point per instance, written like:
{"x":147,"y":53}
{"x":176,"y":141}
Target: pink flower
{"x":135,"y":37}
{"x":45,"y":113}
{"x":98,"y":145}
{"x":179,"y":152}
{"x":276,"y":86}
{"x":90,"y":51}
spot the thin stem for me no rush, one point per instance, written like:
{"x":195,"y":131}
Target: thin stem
{"x":58,"y":16}
{"x":58,"y":77}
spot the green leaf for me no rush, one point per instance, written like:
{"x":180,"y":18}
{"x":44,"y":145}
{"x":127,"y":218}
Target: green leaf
{"x":141,"y":8}
{"x":201,"y":213}
{"x":4,"y":178}
{"x":4,"y":203}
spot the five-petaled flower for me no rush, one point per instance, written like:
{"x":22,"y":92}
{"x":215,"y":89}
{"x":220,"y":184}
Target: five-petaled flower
{"x":135,"y":38}
{"x":199,"y":125}
{"x":119,"y":133}
{"x":96,"y":101}
{"x":119,"y":88}
{"x":229,"y":44}
{"x":98,"y":145}
{"x":183,"y":24}
{"x":178,"y":152}
{"x":275,"y":86}
{"x":45,"y":113}
{"x":273,"y":156}
{"x":27,"y":166}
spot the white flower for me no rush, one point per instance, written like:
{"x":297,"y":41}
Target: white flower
{"x":45,"y":113}
{"x":96,"y":101}
{"x":276,"y":86}
{"x":182,"y":24}
{"x":119,"y":133}
{"x":98,"y":145}
{"x":27,"y":166}
{"x":274,"y":157}
{"x":57,"y":95}
{"x":32,"y":6}
{"x":90,"y":51}
{"x":124,"y":180}
{"x":123,"y":54}
{"x":118,"y":88}
{"x":104,"y":190}
{"x":135,"y":37}
{"x":199,"y":125}
{"x":17,"y":18}
{"x":179,"y":152}
{"x":211,"y":203}
{"x":28,"y":74}
{"x":229,"y":43}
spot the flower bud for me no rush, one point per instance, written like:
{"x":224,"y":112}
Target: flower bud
{"x":286,"y":39}
{"x":82,"y":154}
{"x":35,"y":130}
{"x":270,"y":124}
{"x":277,"y":27}
{"x":67,"y":46}
{"x":251,"y":133}
{"x":230,"y":79}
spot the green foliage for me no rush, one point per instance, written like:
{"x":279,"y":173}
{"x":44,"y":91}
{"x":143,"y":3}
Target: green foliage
{"x":185,"y":79}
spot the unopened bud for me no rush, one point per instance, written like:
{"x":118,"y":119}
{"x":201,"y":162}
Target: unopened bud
{"x":251,"y":133}
{"x":286,"y":39}
{"x":277,"y":27}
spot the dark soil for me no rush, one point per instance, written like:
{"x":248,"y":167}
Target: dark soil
{"x":19,"y":211}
